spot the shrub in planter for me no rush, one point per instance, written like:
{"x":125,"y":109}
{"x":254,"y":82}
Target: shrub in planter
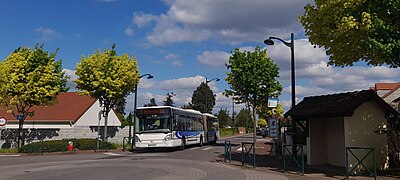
{"x":44,"y":146}
{"x":91,"y":144}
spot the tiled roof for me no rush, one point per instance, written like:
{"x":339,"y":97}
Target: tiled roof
{"x":385,"y":86}
{"x":70,"y":106}
{"x":391,"y":91}
{"x":335,"y":105}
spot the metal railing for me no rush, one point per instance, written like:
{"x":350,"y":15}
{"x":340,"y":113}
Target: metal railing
{"x":360,"y":162}
{"x":228,"y":151}
{"x":127,"y":141}
{"x":246,"y":153}
{"x":289,"y":156}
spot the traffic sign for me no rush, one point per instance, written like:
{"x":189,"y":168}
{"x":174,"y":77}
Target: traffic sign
{"x":272,"y":102}
{"x":3,"y":122}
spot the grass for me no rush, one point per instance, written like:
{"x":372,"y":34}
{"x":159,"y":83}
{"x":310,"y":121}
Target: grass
{"x":12,"y":150}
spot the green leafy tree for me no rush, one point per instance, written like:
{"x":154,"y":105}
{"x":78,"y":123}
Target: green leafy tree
{"x":120,"y":106}
{"x":243,"y":119}
{"x":355,"y":30}
{"x":203,"y":99}
{"x":252,"y":79}
{"x":108,"y":78}
{"x":261,"y":122}
{"x":224,"y":118}
{"x":187,"y":106}
{"x":168,"y":100}
{"x":30,"y":77}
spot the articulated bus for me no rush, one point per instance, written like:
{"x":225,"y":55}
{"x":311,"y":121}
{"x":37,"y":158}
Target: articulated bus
{"x":165,"y":126}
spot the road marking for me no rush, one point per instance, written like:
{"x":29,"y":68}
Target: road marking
{"x":10,"y":155}
{"x":194,"y":148}
{"x":239,"y":149}
{"x":112,"y":154}
{"x":149,"y":154}
{"x":208,"y":148}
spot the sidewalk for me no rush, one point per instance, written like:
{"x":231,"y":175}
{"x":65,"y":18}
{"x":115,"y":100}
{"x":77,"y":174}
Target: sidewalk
{"x":268,"y":163}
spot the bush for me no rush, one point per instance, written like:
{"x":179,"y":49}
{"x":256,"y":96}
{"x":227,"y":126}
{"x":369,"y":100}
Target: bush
{"x":62,"y":145}
{"x":228,"y":131}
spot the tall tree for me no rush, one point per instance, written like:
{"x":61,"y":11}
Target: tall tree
{"x":151,"y":103}
{"x":203,"y":99}
{"x":168,"y":100}
{"x":120,"y":106}
{"x":108,"y":78}
{"x":224,"y":118}
{"x":355,"y":30}
{"x":252,"y":79}
{"x":30,"y":77}
{"x":243,"y":119}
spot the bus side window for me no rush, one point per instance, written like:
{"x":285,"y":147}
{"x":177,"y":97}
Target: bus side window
{"x":176,"y":123}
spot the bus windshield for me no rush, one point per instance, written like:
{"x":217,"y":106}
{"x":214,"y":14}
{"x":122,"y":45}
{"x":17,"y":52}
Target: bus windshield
{"x":154,"y":120}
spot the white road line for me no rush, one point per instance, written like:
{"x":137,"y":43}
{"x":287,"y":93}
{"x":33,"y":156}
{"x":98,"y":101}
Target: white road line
{"x":112,"y":154}
{"x":194,"y":148}
{"x":239,"y":149}
{"x":9,"y":155}
{"x":208,"y":148}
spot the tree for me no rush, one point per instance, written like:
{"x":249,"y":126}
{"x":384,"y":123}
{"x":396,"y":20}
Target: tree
{"x":224,"y":118}
{"x":261,"y":122}
{"x":151,"y":103}
{"x":355,"y":30}
{"x":108,"y":78}
{"x":168,"y":100}
{"x":203,"y":99}
{"x":252,"y":79}
{"x":120,"y":106}
{"x":30,"y":77}
{"x":243,"y":119}
{"x":187,"y":106}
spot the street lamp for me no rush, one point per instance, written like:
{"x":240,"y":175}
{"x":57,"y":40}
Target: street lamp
{"x":290,"y":44}
{"x":208,"y":81}
{"x":149,"y":76}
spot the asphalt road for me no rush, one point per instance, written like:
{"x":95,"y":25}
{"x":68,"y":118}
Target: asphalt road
{"x":191,"y":163}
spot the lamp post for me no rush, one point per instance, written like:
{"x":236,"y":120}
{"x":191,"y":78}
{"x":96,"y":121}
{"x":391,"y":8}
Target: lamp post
{"x":149,"y":76}
{"x":208,"y":81}
{"x":290,"y":44}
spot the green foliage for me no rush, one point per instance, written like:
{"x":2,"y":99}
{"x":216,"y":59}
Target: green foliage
{"x":243,"y":119}
{"x":203,"y":99}
{"x":355,"y":30}
{"x":11,"y":150}
{"x":264,"y":112}
{"x":128,"y":120}
{"x":168,"y":100}
{"x":62,"y":145}
{"x":224,"y":132}
{"x":107,"y":77}
{"x":90,"y":144}
{"x":252,"y":77}
{"x":261,"y":122}
{"x":224,"y":118}
{"x":30,"y":77}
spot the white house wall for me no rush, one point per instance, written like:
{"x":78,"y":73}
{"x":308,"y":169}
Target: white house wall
{"x":360,"y":132}
{"x":91,"y":117}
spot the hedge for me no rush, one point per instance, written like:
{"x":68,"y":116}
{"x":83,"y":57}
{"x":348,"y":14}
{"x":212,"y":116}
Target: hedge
{"x":228,"y":131}
{"x":62,"y":145}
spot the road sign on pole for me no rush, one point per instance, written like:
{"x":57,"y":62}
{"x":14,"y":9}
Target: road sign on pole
{"x":272,"y":102}
{"x":3,"y":122}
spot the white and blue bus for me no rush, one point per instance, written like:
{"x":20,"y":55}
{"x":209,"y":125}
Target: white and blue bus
{"x":165,"y":126}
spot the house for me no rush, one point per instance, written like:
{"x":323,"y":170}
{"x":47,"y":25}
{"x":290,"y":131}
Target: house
{"x":389,"y":92}
{"x":72,"y":116}
{"x":337,"y":121}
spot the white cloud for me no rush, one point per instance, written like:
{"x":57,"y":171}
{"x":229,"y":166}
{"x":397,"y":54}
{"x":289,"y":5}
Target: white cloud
{"x":47,"y":33}
{"x":213,"y":58}
{"x":72,"y":77}
{"x":175,"y":60}
{"x":128,"y":31}
{"x":141,"y":19}
{"x":231,"y":21}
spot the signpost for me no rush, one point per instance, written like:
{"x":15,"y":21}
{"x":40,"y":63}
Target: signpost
{"x":3,"y":122}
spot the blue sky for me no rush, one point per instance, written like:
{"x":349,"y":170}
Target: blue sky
{"x":181,"y":42}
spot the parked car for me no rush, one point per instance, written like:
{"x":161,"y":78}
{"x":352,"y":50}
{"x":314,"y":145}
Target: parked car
{"x":264,"y":132}
{"x":258,"y":131}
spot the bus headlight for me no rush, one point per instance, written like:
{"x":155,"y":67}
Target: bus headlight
{"x":137,"y":139}
{"x":167,"y":138}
